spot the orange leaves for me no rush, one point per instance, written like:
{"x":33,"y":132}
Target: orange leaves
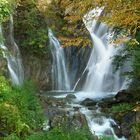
{"x":122,"y":13}
{"x":64,"y":16}
{"x":74,"y":41}
{"x":73,"y":18}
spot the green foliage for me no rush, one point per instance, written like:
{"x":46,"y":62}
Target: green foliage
{"x":5,"y":88}
{"x":61,"y":134}
{"x":135,"y":73}
{"x":10,"y":119}
{"x":28,"y":104}
{"x":20,"y":111}
{"x":105,"y":137}
{"x":131,"y":53}
{"x":135,"y":131}
{"x":121,"y":107}
{"x":13,"y":136}
{"x":31,"y":28}
{"x":37,"y":136}
{"x":5,"y":10}
{"x":57,"y":133}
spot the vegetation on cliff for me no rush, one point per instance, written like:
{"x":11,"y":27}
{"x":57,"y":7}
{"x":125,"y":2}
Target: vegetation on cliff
{"x":5,"y":10}
{"x":30,"y":28}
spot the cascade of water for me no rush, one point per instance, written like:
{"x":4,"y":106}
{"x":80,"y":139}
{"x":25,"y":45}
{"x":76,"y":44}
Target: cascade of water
{"x":99,"y":124}
{"x":101,"y":78}
{"x":59,"y":73}
{"x":100,"y":69}
{"x":12,"y":54}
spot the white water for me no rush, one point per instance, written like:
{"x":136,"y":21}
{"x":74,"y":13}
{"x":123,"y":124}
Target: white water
{"x":59,"y":72}
{"x":101,"y":79}
{"x":12,"y":54}
{"x":99,"y":124}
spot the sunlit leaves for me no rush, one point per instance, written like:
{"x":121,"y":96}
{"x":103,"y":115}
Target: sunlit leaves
{"x":66,"y":14}
{"x":5,"y":10}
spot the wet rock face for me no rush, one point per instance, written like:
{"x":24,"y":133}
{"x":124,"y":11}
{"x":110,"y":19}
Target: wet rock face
{"x":124,"y":96}
{"x":107,"y":102}
{"x":62,"y":118}
{"x":121,"y":97}
{"x":38,"y":70}
{"x":126,"y":123}
{"x":76,"y":61}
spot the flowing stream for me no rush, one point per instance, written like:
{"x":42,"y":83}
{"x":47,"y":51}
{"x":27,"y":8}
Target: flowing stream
{"x":12,"y":54}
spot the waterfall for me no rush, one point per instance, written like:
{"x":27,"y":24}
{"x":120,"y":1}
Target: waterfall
{"x":12,"y":54}
{"x":60,"y":78}
{"x":101,"y":79}
{"x":99,"y":75}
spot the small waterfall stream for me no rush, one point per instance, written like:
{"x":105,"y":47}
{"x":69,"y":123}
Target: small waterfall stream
{"x":59,"y":72}
{"x":12,"y":54}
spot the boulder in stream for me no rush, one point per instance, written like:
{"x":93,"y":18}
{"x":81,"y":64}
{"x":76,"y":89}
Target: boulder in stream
{"x":88,"y":102}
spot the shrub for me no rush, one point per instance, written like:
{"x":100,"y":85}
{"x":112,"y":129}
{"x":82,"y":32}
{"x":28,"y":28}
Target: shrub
{"x":5,"y":88}
{"x":10,"y":120}
{"x":25,"y":99}
{"x":59,"y":133}
{"x":13,"y":136}
{"x":20,"y":111}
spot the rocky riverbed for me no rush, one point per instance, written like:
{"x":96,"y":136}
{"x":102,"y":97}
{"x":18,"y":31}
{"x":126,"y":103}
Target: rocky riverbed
{"x":94,"y":115}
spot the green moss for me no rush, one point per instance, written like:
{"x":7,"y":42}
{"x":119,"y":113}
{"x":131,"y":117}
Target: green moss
{"x":121,"y":107}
